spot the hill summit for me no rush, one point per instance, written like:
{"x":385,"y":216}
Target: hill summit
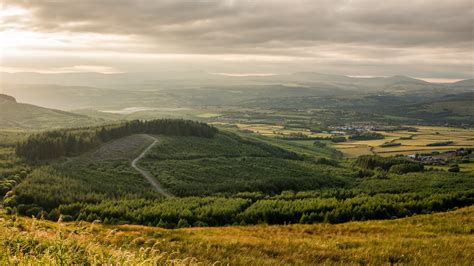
{"x":15,"y":115}
{"x":4,"y":97}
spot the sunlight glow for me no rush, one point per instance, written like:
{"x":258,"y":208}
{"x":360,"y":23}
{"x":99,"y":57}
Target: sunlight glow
{"x":9,"y":11}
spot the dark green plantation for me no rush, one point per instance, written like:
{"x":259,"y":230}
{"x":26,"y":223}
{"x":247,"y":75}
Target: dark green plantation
{"x":254,"y":174}
{"x":54,"y":144}
{"x":227,"y":179}
{"x":218,"y":211}
{"x":12,"y":170}
{"x":228,"y":164}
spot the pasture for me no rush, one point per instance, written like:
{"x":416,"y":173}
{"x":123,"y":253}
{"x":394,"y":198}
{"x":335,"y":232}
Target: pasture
{"x":411,"y":142}
{"x":271,"y":130}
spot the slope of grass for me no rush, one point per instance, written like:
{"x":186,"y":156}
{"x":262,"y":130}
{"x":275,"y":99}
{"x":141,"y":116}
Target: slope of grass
{"x":304,"y":147}
{"x":435,"y":239}
{"x":26,"y":116}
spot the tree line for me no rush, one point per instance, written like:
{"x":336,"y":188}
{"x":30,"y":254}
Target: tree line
{"x":219,"y":211}
{"x":54,"y":144}
{"x":397,"y":165}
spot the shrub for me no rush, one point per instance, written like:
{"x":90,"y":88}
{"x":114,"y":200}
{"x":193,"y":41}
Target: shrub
{"x":373,"y":161}
{"x":54,"y":215}
{"x":66,"y":218}
{"x":390,"y":144}
{"x":34,"y":211}
{"x":454,"y":168}
{"x":338,"y":139}
{"x":183,"y":223}
{"x":406,"y":168}
{"x":441,"y":143}
{"x":366,"y":136}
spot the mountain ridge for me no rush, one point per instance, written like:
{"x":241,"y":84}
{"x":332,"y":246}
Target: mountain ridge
{"x":43,"y":77}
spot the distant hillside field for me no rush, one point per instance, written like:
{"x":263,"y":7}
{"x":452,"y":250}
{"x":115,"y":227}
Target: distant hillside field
{"x":435,"y":239}
{"x":16,"y":115}
{"x":422,"y":141}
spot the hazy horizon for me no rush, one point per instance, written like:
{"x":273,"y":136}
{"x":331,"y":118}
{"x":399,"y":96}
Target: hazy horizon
{"x":243,"y":75}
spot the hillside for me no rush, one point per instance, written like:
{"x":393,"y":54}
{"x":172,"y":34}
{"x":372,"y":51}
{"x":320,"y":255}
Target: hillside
{"x":98,"y":91}
{"x":428,"y":107}
{"x":221,"y":179}
{"x":16,"y":115}
{"x":434,"y":239}
{"x":225,"y":164}
{"x":458,"y":104}
{"x":229,"y":164}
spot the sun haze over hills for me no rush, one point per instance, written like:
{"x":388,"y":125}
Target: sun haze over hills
{"x":269,"y":132}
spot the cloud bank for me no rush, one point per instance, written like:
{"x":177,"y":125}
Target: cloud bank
{"x":365,"y":37}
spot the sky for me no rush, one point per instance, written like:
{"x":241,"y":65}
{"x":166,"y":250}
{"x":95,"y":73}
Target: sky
{"x":432,"y":40}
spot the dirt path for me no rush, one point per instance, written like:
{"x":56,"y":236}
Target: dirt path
{"x":151,"y":179}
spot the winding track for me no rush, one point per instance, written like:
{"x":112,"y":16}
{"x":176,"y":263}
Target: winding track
{"x":151,"y":179}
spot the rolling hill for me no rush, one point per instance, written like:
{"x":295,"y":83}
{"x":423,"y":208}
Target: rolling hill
{"x":15,"y":115}
{"x":217,"y":180}
{"x":73,"y":91}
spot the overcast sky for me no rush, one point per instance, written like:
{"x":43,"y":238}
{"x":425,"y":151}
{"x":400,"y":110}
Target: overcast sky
{"x":433,"y":39}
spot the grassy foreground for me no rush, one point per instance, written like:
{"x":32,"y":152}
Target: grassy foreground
{"x":436,"y":239}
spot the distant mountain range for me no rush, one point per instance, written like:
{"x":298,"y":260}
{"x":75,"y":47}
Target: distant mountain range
{"x":69,"y":91}
{"x":201,"y":78}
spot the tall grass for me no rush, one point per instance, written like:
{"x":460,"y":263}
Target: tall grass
{"x":435,"y":239}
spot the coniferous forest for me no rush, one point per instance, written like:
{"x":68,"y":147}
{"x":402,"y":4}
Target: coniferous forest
{"x":54,"y":144}
{"x":221,"y":178}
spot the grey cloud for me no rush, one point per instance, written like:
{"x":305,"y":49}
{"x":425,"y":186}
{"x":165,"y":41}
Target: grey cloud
{"x":376,"y":31}
{"x":203,"y":26}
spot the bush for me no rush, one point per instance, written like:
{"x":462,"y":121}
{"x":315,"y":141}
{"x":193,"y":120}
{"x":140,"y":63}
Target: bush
{"x":183,"y":223}
{"x":66,"y":218}
{"x":390,"y":144}
{"x":338,"y":139}
{"x":406,"y":168}
{"x":34,"y":211}
{"x":441,"y":143}
{"x":319,"y":144}
{"x":364,"y":173}
{"x":373,"y":161}
{"x":54,"y":215}
{"x":454,"y":168}
{"x":326,"y":161}
{"x":366,"y":136}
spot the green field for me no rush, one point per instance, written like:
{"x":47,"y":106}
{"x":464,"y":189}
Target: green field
{"x":411,"y":142}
